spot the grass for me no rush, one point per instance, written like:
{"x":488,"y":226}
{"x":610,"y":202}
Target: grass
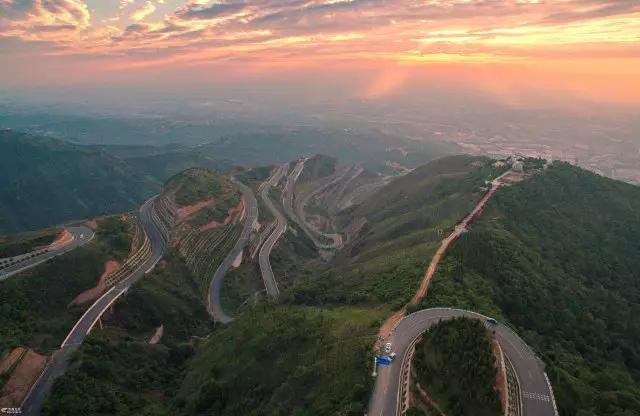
{"x":198,"y":185}
{"x":34,"y":308}
{"x":239,"y":285}
{"x":284,"y":360}
{"x":16,"y":244}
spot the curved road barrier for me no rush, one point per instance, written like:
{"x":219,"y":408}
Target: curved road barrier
{"x":536,"y":396}
{"x":59,"y":360}
{"x":251,"y":211}
{"x":81,"y":236}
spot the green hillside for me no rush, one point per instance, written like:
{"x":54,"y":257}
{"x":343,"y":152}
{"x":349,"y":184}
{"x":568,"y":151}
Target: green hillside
{"x":558,"y":256}
{"x":455,"y":364}
{"x":35,"y":305}
{"x":47,"y":181}
{"x":403,"y":225}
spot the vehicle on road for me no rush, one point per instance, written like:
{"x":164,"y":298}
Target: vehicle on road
{"x":387,"y":348}
{"x":392,"y":356}
{"x":492,"y":321}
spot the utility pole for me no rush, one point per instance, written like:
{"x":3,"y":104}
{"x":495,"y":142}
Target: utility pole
{"x":375,"y":367}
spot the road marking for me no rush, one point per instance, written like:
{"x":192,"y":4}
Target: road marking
{"x":536,"y":396}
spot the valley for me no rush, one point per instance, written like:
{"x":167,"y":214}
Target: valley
{"x":352,"y":258}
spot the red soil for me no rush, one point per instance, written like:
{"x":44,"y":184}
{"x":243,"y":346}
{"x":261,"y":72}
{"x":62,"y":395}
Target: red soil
{"x":95,"y":292}
{"x":11,"y":359}
{"x":63,"y":238}
{"x":230,"y":212}
{"x":22,"y":378}
{"x":188,"y":210}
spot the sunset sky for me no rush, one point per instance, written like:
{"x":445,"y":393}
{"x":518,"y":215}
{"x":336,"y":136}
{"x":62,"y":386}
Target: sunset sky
{"x":588,"y":49}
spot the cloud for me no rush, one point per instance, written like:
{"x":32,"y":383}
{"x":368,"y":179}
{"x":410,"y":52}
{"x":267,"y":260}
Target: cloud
{"x":195,"y":10}
{"x":143,"y":11}
{"x":403,"y":30}
{"x":34,"y":19}
{"x":593,"y":9}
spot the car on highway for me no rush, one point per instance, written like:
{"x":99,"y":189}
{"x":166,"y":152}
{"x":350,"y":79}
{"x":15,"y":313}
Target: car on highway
{"x":492,"y":321}
{"x":387,"y":348}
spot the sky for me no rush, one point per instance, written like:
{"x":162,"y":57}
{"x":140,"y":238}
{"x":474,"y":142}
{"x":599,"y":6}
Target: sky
{"x":511,"y":50}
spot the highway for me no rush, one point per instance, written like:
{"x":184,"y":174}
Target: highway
{"x":81,"y":236}
{"x":270,"y":283}
{"x":251,"y":214}
{"x":535,"y":391}
{"x":60,"y":358}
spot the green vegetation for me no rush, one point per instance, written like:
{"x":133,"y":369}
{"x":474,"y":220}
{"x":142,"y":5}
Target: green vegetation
{"x":284,"y":360}
{"x":455,"y":364}
{"x":170,"y":296}
{"x":557,"y":256}
{"x":16,"y":244}
{"x":196,"y":185}
{"x":115,"y":375}
{"x":116,"y":371}
{"x":253,"y":177}
{"x":404,"y":224}
{"x":199,"y":185}
{"x":47,"y":181}
{"x":239,"y":285}
{"x":34,"y":309}
{"x":317,"y":167}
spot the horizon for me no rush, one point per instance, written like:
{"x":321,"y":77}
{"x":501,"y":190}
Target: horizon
{"x":516,"y":53}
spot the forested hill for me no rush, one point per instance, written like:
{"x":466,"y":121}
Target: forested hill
{"x":558,"y":255}
{"x":47,"y":181}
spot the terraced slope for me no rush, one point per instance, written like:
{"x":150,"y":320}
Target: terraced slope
{"x":204,"y":211}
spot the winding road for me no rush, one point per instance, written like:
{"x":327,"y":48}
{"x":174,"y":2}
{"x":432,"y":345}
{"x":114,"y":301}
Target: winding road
{"x":251,"y":214}
{"x":535,"y":391}
{"x":288,"y":203}
{"x":81,"y":236}
{"x":270,"y":283}
{"x":60,"y":358}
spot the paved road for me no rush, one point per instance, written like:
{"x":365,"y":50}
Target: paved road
{"x":312,"y":231}
{"x":81,"y":236}
{"x":536,"y":394}
{"x":287,"y":197}
{"x":59,"y":360}
{"x":268,"y":277}
{"x":214,"y":307}
{"x":287,"y":202}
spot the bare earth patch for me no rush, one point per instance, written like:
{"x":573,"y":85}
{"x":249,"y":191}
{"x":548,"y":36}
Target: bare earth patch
{"x":22,"y":378}
{"x":231,"y":212}
{"x":93,"y":293}
{"x":11,"y":359}
{"x":157,"y":336}
{"x":63,"y":239}
{"x":188,"y":210}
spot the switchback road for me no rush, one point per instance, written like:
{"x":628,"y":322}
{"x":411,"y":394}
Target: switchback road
{"x":270,"y":283}
{"x":535,"y":391}
{"x":60,"y":358}
{"x":251,"y":214}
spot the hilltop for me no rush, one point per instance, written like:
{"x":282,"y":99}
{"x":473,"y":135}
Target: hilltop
{"x":557,"y":256}
{"x":204,"y":210}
